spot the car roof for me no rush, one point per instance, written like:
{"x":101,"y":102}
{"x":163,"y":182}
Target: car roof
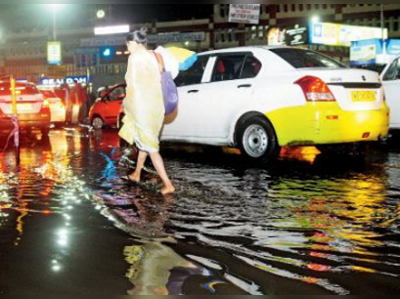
{"x":246,"y":49}
{"x":17,"y":82}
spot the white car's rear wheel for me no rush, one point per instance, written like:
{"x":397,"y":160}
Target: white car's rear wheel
{"x":97,"y":123}
{"x":257,"y":139}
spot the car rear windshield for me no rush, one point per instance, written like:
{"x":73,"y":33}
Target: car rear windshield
{"x":48,"y":94}
{"x":21,"y":89}
{"x":379,"y":68}
{"x":300,"y":59}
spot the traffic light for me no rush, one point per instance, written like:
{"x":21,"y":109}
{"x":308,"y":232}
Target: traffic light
{"x":107,"y":53}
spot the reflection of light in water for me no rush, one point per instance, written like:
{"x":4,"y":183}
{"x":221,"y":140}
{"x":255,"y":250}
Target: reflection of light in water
{"x":56,"y":267}
{"x":62,"y":237}
{"x":306,"y":153}
{"x":345,"y":212}
{"x":210,"y":286}
{"x":59,"y":143}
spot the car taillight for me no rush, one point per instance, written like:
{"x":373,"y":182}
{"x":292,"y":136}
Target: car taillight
{"x":46,"y":104}
{"x":315,"y":90}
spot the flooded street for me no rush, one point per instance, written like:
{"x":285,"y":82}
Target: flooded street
{"x":309,"y":224}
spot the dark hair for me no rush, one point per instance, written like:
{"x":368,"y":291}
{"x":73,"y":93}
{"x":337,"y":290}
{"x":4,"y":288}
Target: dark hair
{"x":139,"y":36}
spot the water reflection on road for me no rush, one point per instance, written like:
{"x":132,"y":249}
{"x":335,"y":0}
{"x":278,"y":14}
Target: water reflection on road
{"x":308,"y":224}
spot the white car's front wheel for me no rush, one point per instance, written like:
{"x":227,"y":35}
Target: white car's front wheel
{"x":257,"y":139}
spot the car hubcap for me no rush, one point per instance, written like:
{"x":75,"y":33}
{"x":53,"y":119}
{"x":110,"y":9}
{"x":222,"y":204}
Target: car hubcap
{"x":255,"y":141}
{"x":97,"y":123}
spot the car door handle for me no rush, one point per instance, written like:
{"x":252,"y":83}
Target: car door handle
{"x":244,"y":86}
{"x":193,"y":91}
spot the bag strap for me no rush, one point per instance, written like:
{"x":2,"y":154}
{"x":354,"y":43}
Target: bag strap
{"x":160,"y":61}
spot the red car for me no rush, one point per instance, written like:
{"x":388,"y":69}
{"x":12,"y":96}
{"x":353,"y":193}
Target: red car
{"x":33,"y":110}
{"x":105,"y":111}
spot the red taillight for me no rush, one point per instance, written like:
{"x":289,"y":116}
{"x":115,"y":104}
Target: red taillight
{"x":315,"y":89}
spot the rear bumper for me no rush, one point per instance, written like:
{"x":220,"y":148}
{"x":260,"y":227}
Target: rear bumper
{"x":326,"y":123}
{"x":26,"y":121}
{"x":58,"y":116}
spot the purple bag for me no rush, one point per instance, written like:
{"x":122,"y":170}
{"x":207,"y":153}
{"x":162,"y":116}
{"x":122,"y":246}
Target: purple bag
{"x":169,"y":89}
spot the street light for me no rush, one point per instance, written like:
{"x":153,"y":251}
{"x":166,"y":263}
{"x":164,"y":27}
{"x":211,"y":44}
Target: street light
{"x":100,"y":14}
{"x":315,"y":19}
{"x":383,"y":32}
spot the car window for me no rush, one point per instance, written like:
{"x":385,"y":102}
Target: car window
{"x":21,"y":89}
{"x":228,"y":67}
{"x":299,"y":59}
{"x":251,"y":68}
{"x":379,"y":68}
{"x":194,"y":74}
{"x":393,"y":73}
{"x":117,"y":94}
{"x":48,"y":94}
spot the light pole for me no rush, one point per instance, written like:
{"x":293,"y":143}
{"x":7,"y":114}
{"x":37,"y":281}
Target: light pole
{"x":383,"y":31}
{"x":54,"y":8}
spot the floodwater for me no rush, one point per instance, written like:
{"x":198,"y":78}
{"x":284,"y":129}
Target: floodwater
{"x":308,"y":224}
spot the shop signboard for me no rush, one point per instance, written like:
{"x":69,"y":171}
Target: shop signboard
{"x":54,"y":55}
{"x":373,"y":51}
{"x":291,"y":36}
{"x":393,"y":47}
{"x":69,"y":80}
{"x":365,"y":52}
{"x":342,"y":35}
{"x":244,"y":13}
{"x":176,"y":37}
{"x":159,"y":39}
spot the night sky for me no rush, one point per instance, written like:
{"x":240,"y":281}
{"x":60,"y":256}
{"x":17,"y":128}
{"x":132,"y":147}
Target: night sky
{"x":25,"y":17}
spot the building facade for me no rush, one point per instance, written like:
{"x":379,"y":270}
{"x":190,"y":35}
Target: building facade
{"x":24,"y":54}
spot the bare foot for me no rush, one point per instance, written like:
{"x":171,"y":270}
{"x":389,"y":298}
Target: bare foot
{"x":135,"y":178}
{"x":170,"y":189}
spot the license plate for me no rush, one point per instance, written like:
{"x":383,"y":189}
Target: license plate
{"x":24,"y":107}
{"x":363,"y":96}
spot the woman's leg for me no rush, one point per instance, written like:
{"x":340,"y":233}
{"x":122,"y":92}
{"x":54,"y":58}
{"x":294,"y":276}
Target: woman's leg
{"x":159,"y":165}
{"x":136,"y":176}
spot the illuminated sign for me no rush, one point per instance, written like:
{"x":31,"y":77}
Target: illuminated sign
{"x":176,"y":37}
{"x":372,"y":51}
{"x":365,"y":52}
{"x":342,"y":35}
{"x":111,"y":30}
{"x":244,"y":13}
{"x":68,"y":80}
{"x":290,"y":36}
{"x":54,"y":55}
{"x":393,"y":47}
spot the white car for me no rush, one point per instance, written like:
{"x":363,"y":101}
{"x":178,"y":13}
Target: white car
{"x":261,"y":98}
{"x":57,"y":107}
{"x":391,"y":83}
{"x":32,"y":109}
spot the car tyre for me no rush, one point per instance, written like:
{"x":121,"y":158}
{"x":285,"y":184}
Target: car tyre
{"x":257,"y":140}
{"x":98,"y":123}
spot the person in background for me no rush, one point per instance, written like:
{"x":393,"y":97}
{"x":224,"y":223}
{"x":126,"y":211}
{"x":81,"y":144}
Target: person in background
{"x":144,"y":108}
{"x":82,"y":100}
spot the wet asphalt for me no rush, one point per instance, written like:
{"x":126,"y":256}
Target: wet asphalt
{"x":307,"y":224}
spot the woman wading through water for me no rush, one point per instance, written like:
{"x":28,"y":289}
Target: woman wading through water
{"x":144,"y":108}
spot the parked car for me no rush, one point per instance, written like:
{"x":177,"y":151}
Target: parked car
{"x":390,"y":76}
{"x":33,"y":110}
{"x":105,"y":110}
{"x":57,"y":107}
{"x":391,"y":83}
{"x":259,"y":99}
